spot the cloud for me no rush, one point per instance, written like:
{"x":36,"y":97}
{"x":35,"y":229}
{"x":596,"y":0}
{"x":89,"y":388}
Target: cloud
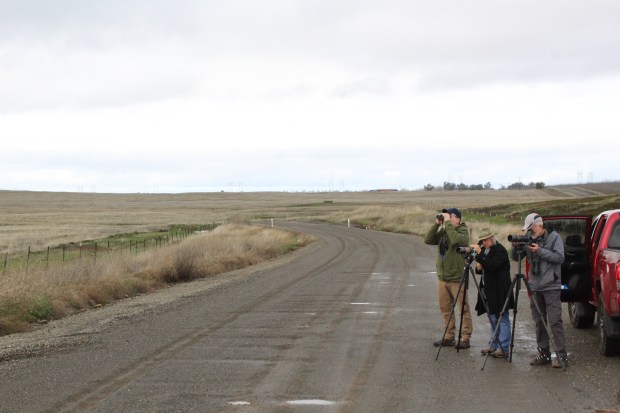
{"x":446,"y":44}
{"x":372,"y":94}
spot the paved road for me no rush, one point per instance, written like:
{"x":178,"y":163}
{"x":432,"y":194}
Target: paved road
{"x":345,"y":327}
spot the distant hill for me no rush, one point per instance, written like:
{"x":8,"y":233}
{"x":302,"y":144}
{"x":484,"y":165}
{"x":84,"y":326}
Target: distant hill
{"x":585,"y":190}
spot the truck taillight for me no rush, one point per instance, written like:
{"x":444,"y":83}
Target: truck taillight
{"x":618,"y":277}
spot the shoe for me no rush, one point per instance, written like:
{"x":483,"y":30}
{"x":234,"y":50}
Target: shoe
{"x":462,"y":345}
{"x":556,"y":363}
{"x":486,"y":351}
{"x":500,"y":354}
{"x":444,"y":343}
{"x":543,"y":358}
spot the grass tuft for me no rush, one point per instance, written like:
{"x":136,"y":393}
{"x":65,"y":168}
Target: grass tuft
{"x":40,"y":308}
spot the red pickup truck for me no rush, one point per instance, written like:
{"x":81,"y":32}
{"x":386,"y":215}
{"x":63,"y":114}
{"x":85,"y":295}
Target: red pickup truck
{"x":591,"y":273}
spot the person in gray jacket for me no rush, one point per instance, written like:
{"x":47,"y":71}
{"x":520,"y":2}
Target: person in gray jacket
{"x":545,"y":256}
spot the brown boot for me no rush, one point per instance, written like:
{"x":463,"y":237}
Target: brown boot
{"x":543,"y":358}
{"x":463,"y":344}
{"x":444,"y":343}
{"x":500,"y":354}
{"x":559,"y":363}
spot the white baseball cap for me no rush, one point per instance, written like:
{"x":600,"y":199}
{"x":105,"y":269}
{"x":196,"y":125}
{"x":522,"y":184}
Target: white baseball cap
{"x":530,"y":220}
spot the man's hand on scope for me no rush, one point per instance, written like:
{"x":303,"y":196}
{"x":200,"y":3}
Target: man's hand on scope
{"x":534,"y":248}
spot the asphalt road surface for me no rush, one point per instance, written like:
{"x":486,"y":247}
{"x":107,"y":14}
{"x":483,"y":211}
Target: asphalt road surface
{"x":345,"y":326}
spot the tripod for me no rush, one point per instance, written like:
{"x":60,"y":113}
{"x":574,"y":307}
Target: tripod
{"x":463,"y":283}
{"x":516,"y":285}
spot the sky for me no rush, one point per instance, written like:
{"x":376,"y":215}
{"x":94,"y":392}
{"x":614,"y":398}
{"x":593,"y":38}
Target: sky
{"x":306,"y":95}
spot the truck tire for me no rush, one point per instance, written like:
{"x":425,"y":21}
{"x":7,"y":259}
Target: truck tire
{"x":581,"y":314}
{"x":609,"y":346}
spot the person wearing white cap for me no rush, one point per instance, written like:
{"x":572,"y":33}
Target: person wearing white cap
{"x":545,"y":256}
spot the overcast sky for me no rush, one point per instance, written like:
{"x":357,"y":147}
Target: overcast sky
{"x":202,"y":95}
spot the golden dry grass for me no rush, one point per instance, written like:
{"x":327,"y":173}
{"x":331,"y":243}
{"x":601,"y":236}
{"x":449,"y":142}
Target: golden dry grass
{"x":46,"y":293}
{"x":416,"y":220}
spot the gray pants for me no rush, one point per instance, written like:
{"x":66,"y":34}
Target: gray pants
{"x":550,"y":311}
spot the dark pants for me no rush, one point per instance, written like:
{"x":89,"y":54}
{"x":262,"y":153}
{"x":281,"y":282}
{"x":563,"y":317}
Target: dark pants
{"x":550,"y":311}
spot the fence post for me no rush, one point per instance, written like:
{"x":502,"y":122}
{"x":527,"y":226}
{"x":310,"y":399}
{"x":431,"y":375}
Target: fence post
{"x":47,"y":260}
{"x":63,"y":252}
{"x":6,"y":258}
{"x":95,"y":252}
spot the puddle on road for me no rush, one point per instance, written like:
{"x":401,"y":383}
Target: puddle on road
{"x":311,"y":402}
{"x":302,"y":402}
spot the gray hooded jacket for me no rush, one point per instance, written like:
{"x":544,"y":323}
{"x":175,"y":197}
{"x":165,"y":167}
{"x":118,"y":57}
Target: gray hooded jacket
{"x":545,"y":268}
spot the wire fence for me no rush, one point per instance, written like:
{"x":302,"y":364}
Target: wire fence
{"x":92,"y":250}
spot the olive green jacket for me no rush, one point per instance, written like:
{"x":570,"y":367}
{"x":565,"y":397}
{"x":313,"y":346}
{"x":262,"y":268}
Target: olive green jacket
{"x":450,"y":264}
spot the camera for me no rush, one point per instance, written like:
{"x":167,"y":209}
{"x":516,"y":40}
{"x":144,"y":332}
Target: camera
{"x":522,"y":239}
{"x":465,"y":250}
{"x":439,"y":217}
{"x":468,"y":253}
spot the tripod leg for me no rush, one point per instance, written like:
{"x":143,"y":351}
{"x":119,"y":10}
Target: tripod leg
{"x":517,"y":283}
{"x":454,"y":302}
{"x":544,"y":322}
{"x":480,"y":291}
{"x":463,"y":304}
{"x":443,"y":337}
{"x":456,"y":299}
{"x":496,"y":331}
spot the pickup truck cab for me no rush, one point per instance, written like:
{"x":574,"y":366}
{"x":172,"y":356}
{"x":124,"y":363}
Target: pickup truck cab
{"x":591,"y":273}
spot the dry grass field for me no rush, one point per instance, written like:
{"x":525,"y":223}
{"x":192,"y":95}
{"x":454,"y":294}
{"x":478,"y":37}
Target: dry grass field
{"x":38,"y":220}
{"x":33,"y":294}
{"x":41,"y":219}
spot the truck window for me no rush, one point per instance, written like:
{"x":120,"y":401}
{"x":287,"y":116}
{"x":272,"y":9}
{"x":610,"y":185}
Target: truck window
{"x":572,"y":231}
{"x":614,"y":239}
{"x":600,"y":225}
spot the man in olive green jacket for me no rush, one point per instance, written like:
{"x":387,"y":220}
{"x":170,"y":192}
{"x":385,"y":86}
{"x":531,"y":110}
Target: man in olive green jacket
{"x":448,"y":234}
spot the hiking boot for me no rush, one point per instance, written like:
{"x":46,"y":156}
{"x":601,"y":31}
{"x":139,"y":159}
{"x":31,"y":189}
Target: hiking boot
{"x":543,"y":358}
{"x":488,"y":351}
{"x":500,"y":354}
{"x":463,"y":345}
{"x":444,"y":343}
{"x":556,"y":364}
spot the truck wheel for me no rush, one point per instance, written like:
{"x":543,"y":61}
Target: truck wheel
{"x":581,"y":314}
{"x":609,"y":346}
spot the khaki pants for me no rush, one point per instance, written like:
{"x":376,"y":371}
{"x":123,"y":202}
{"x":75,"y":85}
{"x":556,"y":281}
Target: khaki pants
{"x":447,"y":294}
